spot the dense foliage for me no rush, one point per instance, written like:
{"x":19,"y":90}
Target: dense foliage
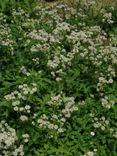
{"x":58,"y":80}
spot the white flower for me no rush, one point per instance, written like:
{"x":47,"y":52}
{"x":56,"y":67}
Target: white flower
{"x":101,"y":79}
{"x":27,"y":107}
{"x":92,"y":133}
{"x":15,"y":103}
{"x":33,"y":90}
{"x":90,"y":153}
{"x":58,"y":79}
{"x":28,"y":74}
{"x":25,"y":135}
{"x":23,"y":118}
{"x":60,"y":130}
{"x":51,"y":126}
{"x":28,"y":111}
{"x":67,"y":115}
{"x":25,"y":92}
{"x":63,"y":119}
{"x":110,"y":81}
{"x":33,"y":123}
{"x":19,"y":95}
{"x":75,"y":108}
{"x":96,"y":125}
{"x":16,"y":108}
{"x":26,"y":140}
{"x":20,"y":86}
{"x":21,"y":109}
{"x":103,"y":128}
{"x":8,"y":144}
{"x":54,"y":116}
{"x":103,"y":118}
{"x":55,"y":126}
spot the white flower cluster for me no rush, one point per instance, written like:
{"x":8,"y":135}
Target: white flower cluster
{"x":23,"y":118}
{"x":91,"y":153}
{"x":45,"y":123}
{"x":36,"y":61}
{"x":54,"y":63}
{"x":2,"y":18}
{"x":60,"y":60}
{"x":97,"y":57}
{"x":102,"y":82}
{"x":17,"y":97}
{"x":59,"y":63}
{"x":62,"y":108}
{"x":23,"y":91}
{"x":107,"y":17}
{"x":78,"y":39}
{"x":55,"y":14}
{"x":26,"y":137}
{"x":98,"y":53}
{"x":20,"y":12}
{"x":108,"y":102}
{"x":40,"y":47}
{"x":101,"y":123}
{"x":113,"y":40}
{"x":113,"y":132}
{"x":60,"y":30}
{"x":8,"y":141}
{"x":41,"y":37}
{"x":105,"y":79}
{"x":55,"y":100}
{"x":96,"y":40}
{"x":77,"y":36}
{"x":6,"y":39}
{"x":24,"y":71}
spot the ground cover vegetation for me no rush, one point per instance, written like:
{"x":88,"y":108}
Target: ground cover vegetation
{"x":58,"y":79}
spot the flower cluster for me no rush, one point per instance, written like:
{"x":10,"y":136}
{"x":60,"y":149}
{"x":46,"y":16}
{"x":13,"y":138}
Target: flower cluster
{"x":19,"y":97}
{"x":107,"y":17}
{"x":61,"y":108}
{"x":60,"y":30}
{"x":91,"y":153}
{"x":58,"y":64}
{"x":75,"y":55}
{"x":24,"y":71}
{"x":6,"y":39}
{"x":41,"y":38}
{"x":113,"y":133}
{"x":108,"y":102}
{"x":101,"y":123}
{"x":8,"y":141}
{"x":36,"y":61}
{"x":26,"y":137}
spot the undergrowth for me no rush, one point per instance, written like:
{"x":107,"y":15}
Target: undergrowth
{"x":58,"y":74}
